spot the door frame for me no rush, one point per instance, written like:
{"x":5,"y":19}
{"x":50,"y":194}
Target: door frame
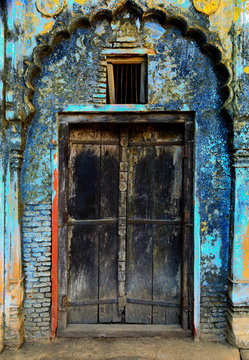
{"x":59,"y":218}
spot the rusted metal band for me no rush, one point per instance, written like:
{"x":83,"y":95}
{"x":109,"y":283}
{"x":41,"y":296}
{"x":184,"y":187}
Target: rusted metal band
{"x":90,"y":302}
{"x":153,"y":302}
{"x":154,"y":221}
{"x":93,"y":221}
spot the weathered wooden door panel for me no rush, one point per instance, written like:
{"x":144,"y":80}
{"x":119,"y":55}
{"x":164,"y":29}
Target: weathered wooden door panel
{"x":167,"y":258}
{"x":108,"y":273}
{"x":139,"y":273}
{"x":83,"y":273}
{"x":92,"y":236}
{"x":157,"y":228}
{"x":154,"y":226}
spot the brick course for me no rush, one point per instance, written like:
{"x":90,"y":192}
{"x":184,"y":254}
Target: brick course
{"x":37,"y":241}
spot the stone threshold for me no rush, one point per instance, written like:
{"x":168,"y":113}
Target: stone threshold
{"x":123,"y":330}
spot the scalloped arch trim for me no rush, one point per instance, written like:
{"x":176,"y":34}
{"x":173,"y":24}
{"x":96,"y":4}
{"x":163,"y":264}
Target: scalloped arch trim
{"x":199,"y":35}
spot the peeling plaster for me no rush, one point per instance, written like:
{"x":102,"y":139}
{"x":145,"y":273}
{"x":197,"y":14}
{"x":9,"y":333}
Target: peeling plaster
{"x":187,"y":85}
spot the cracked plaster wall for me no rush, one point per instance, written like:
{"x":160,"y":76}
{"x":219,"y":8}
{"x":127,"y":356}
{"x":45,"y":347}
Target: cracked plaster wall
{"x":180,"y":77}
{"x":175,"y":73}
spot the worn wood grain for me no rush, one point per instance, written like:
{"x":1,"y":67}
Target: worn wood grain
{"x":111,"y":85}
{"x":126,"y":117}
{"x":83,"y":272}
{"x":62,"y":220}
{"x":157,"y":260}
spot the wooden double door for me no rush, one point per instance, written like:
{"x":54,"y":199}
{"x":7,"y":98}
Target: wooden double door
{"x":127,"y":250}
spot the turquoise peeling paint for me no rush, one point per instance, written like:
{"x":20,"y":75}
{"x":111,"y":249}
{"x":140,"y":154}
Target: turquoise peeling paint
{"x":197,"y":262}
{"x":210,"y":251}
{"x":239,"y":294}
{"x":175,"y":73}
{"x":181,"y":77}
{"x":240,"y":221}
{"x":107,"y":108}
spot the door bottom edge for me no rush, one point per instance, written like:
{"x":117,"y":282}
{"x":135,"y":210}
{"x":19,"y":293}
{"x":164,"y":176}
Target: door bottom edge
{"x":123,"y":330}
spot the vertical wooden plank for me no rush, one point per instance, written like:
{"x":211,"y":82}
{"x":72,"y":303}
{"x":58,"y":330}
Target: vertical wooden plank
{"x":108,"y":273}
{"x":167,"y":192}
{"x":109,"y":181}
{"x":140,"y":236}
{"x":140,"y":182}
{"x":167,"y":197}
{"x":84,"y":181}
{"x":167,"y":273}
{"x":142,"y":83}
{"x":84,"y":204}
{"x":111,"y":83}
{"x":62,"y":221}
{"x":108,"y":247}
{"x":83,"y":273}
{"x":188,"y":220}
{"x":139,"y":273}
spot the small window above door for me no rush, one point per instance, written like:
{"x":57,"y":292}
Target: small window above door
{"x":126,"y":80}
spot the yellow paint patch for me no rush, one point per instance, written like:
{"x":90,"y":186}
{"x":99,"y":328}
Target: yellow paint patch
{"x":246,"y":69}
{"x":18,"y":3}
{"x":50,"y":4}
{"x":221,"y":22}
{"x":81,"y":2}
{"x":204,"y":226}
{"x":47,"y":27}
{"x":207,"y":7}
{"x":236,"y":14}
{"x":246,"y":253}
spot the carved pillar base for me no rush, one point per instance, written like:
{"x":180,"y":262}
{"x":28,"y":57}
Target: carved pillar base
{"x":238,"y":326}
{"x":14,"y":332}
{"x":14,"y":336}
{"x":238,"y":281}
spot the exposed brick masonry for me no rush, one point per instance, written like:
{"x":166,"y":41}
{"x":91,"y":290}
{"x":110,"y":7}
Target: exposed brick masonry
{"x":36,"y":234}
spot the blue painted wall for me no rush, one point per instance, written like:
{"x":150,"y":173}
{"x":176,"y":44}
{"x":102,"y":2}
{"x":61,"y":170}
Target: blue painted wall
{"x":180,"y":77}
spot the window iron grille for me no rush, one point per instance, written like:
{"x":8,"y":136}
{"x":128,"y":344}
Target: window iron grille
{"x":126,"y":80}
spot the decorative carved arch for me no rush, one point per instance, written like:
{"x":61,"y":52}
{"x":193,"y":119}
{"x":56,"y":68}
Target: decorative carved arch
{"x":61,"y":32}
{"x":198,"y":34}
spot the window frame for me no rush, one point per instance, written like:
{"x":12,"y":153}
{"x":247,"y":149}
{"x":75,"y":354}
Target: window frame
{"x":127,"y":60}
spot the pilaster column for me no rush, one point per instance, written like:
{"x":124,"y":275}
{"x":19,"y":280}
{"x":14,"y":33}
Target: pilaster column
{"x":2,"y":186}
{"x":14,"y":288}
{"x":238,"y":289}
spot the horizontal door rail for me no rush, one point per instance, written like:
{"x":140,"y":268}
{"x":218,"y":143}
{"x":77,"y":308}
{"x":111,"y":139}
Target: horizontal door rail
{"x":125,"y":116}
{"x":154,"y":221}
{"x":155,"y":143}
{"x":153,"y":302}
{"x":91,"y":302}
{"x":94,"y":142}
{"x":93,"y":221}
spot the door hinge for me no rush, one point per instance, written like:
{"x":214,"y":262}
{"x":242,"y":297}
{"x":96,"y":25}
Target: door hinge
{"x":64,"y":301}
{"x":185,"y":151}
